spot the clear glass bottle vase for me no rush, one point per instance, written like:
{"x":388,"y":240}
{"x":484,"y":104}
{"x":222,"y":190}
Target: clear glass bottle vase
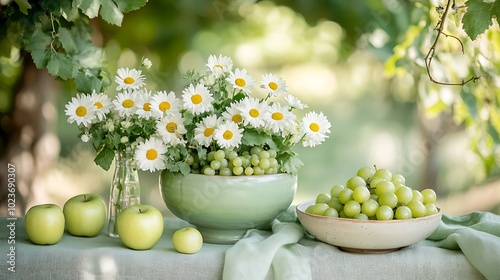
{"x":125,"y":188}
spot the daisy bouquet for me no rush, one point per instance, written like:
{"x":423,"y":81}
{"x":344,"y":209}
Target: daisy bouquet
{"x":215,"y":126}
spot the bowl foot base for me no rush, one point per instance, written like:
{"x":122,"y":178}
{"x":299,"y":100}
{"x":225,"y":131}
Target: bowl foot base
{"x":221,"y":236}
{"x":368,"y":251}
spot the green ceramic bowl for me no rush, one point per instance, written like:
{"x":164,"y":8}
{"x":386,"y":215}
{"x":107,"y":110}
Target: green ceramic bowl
{"x":223,"y":208}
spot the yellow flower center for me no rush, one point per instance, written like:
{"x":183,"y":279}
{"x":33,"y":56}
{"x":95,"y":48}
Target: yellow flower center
{"x":314,"y":127}
{"x":237,"y":118}
{"x":98,"y":105}
{"x":171,"y":127}
{"x":240,"y":82}
{"x":218,"y":66}
{"x":254,"y":113}
{"x":164,"y":106}
{"x":228,"y":135}
{"x":128,"y":80}
{"x":146,"y":107}
{"x":277,"y":116}
{"x":273,"y":85}
{"x":208,"y":131}
{"x":151,"y":154}
{"x":128,"y":103}
{"x":196,"y":99}
{"x":81,"y":111}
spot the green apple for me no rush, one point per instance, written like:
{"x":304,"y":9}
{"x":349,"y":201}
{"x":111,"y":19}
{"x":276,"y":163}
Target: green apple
{"x":85,"y":215}
{"x":187,"y":240}
{"x":140,"y":226}
{"x":44,"y":224}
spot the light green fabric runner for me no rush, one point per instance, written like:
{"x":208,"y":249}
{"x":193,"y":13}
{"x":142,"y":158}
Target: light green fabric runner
{"x":478,"y":236}
{"x":253,"y":256}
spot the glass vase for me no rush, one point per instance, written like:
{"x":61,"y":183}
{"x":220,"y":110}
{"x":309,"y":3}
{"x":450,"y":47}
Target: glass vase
{"x":125,"y":188}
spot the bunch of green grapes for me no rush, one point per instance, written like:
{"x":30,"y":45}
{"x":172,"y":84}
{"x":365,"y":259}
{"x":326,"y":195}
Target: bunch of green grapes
{"x":256,"y":161}
{"x":375,"y":194}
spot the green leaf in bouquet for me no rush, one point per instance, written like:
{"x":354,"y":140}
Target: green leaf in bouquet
{"x":104,"y":158}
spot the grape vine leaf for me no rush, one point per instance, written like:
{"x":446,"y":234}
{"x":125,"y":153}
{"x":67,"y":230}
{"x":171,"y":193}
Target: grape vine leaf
{"x":59,"y":65}
{"x":24,"y":6}
{"x":479,"y":16}
{"x":110,"y":11}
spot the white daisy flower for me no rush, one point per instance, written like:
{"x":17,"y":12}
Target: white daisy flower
{"x":129,"y":79}
{"x":125,"y":103}
{"x":294,"y":103}
{"x":315,"y":127}
{"x":197,"y":99}
{"x":81,"y":110}
{"x":204,"y":131}
{"x":163,"y":103}
{"x":150,"y":155}
{"x":241,"y":80}
{"x":146,"y":62}
{"x":143,"y":104}
{"x":171,"y":129}
{"x":233,"y":114}
{"x":274,"y":85}
{"x":253,"y":111}
{"x":102,"y":104}
{"x":219,"y":65}
{"x":228,"y":135}
{"x":279,"y":119}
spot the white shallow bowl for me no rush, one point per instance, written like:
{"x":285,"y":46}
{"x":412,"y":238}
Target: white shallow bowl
{"x":362,"y":236}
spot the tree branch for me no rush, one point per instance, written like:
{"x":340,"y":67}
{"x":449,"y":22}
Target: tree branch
{"x":432,"y":50}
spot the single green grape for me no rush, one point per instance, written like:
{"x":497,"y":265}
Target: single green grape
{"x":403,"y":213}
{"x":331,"y":212}
{"x":361,"y":194}
{"x":264,"y":154}
{"x":355,"y":182}
{"x":335,"y":190}
{"x":232,"y":155}
{"x":255,"y":150}
{"x":388,"y":198}
{"x":254,"y":160}
{"x":237,"y":161}
{"x":429,"y":196}
{"x":384,"y":213}
{"x":369,"y":207}
{"x":257,"y":170}
{"x":361,"y":216}
{"x":384,"y":187}
{"x":272,"y":153}
{"x":404,"y":194}
{"x":249,"y":171}
{"x":345,"y":195}
{"x":264,"y":163}
{"x":384,"y":174}
{"x":352,"y":208}
{"x":336,"y":204}
{"x":215,"y":164}
{"x":219,"y":155}
{"x":417,"y":196}
{"x":417,"y":208}
{"x":226,"y":171}
{"x":323,"y":198}
{"x":366,"y":173}
{"x":398,"y":179}
{"x":431,"y":209}
{"x":273,"y":162}
{"x":209,"y":171}
{"x":238,"y":170}
{"x":318,"y":208}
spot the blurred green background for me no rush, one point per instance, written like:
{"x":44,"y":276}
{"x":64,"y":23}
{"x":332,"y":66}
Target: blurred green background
{"x":332,"y":55}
